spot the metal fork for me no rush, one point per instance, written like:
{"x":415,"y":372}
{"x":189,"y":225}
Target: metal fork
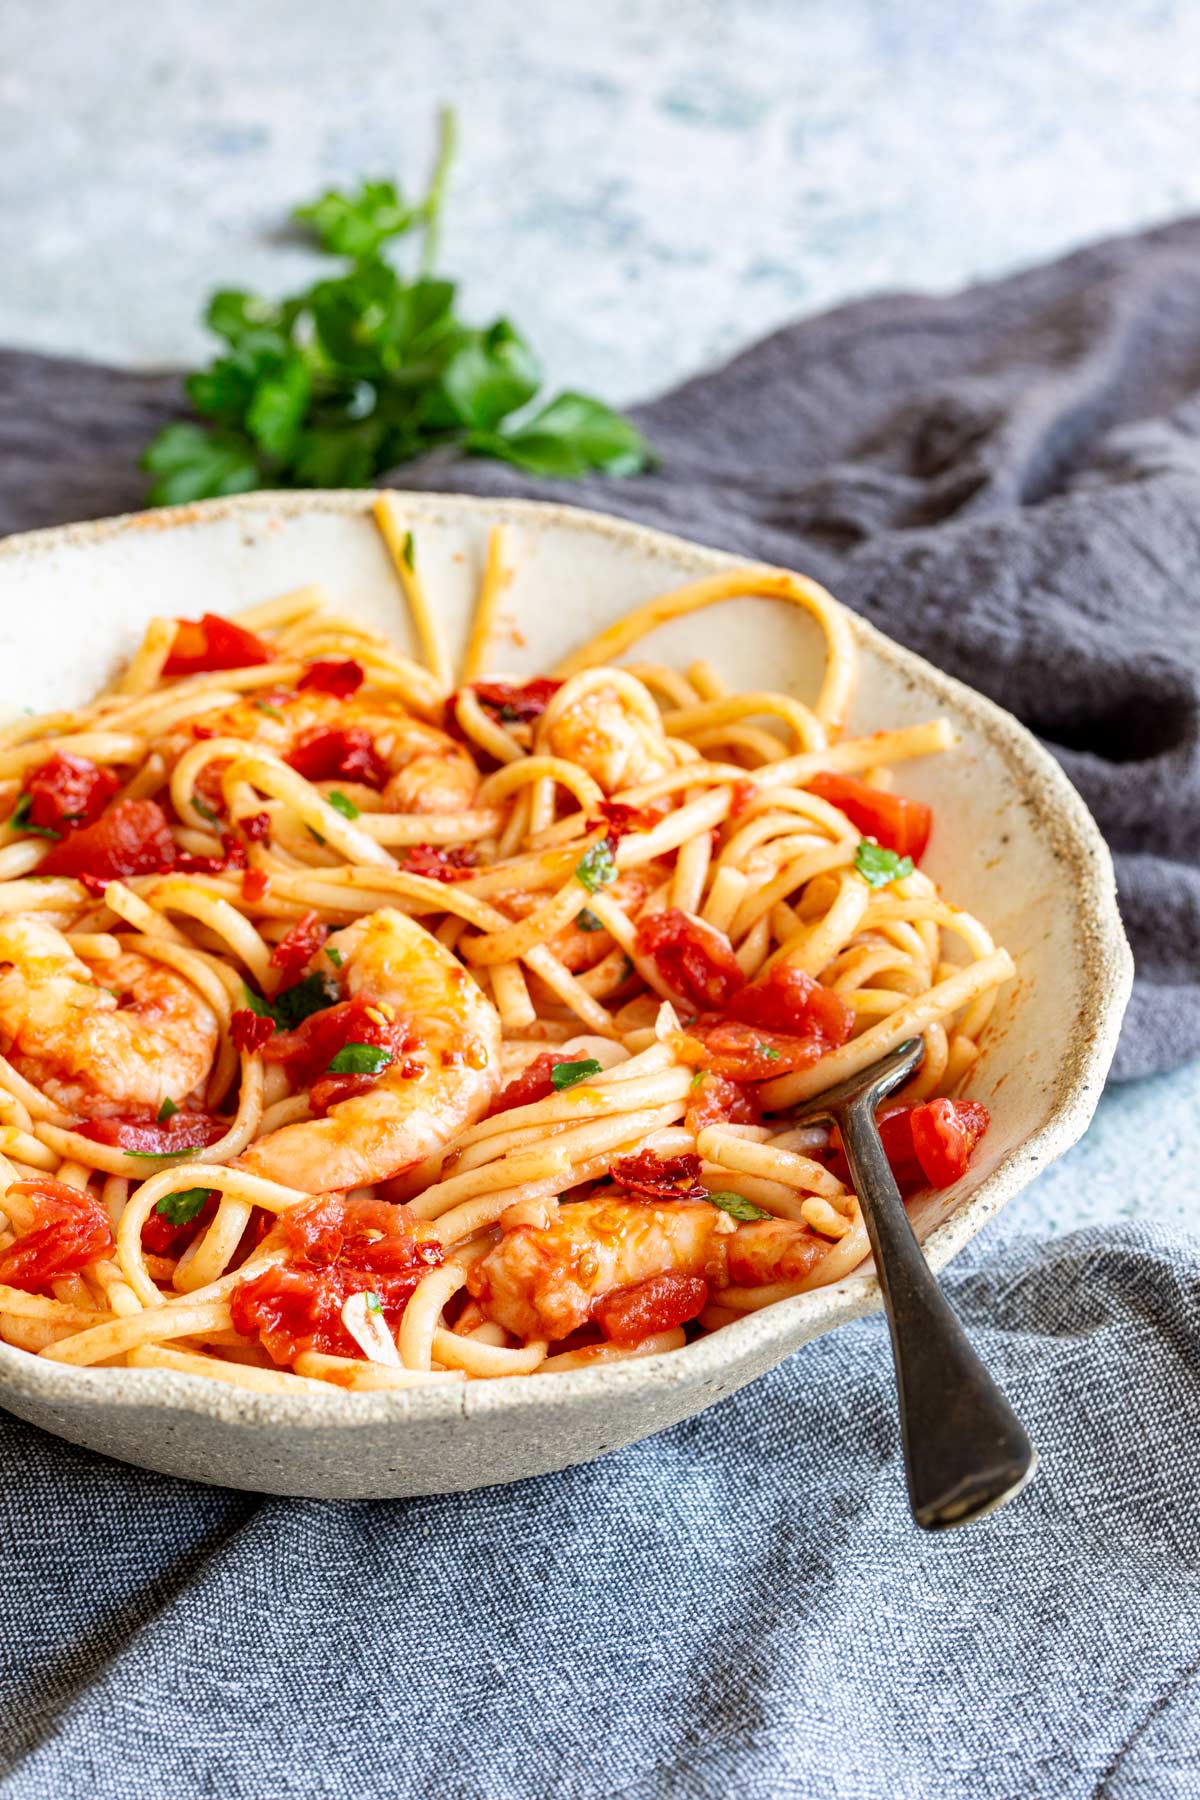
{"x":965,"y":1450}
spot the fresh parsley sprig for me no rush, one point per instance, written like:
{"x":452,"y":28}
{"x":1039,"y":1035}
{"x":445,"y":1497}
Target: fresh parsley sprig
{"x":370,"y":367}
{"x":879,"y":867}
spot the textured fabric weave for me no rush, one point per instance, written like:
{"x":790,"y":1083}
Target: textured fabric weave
{"x":737,"y":1607}
{"x":1007,"y":480}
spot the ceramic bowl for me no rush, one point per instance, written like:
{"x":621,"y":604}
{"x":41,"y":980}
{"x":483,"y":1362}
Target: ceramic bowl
{"x":1014,"y":844}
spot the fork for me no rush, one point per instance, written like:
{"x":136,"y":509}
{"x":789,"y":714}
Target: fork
{"x":965,"y":1450}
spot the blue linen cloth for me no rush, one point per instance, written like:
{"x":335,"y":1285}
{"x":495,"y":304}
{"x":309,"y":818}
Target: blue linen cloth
{"x":737,"y":1607}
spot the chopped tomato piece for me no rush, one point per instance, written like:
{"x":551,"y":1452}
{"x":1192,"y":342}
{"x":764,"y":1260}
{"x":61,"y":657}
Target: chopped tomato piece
{"x":692,"y":958}
{"x":650,"y":1177}
{"x":716,"y":1099}
{"x":67,"y":791}
{"x":622,"y":819}
{"x":944,"y":1134}
{"x":293,"y":953}
{"x":201,"y":645}
{"x":255,"y":884}
{"x":517,"y":703}
{"x":532,"y":1084}
{"x":744,"y":793}
{"x":336,"y":1247}
{"x":894,"y":821}
{"x":439,"y":863}
{"x":784,"y":998}
{"x":250,"y":1030}
{"x":156,"y":1137}
{"x":338,"y":678}
{"x":339,"y":754}
{"x":927,"y":1146}
{"x":161,"y":1237}
{"x":631,"y":1314}
{"x":254,"y":827}
{"x":70,"y":1229}
{"x":307,"y":1052}
{"x":131,"y":837}
{"x":752,"y":1052}
{"x":233,"y":856}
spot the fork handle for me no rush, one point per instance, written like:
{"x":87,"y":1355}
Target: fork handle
{"x":965,"y":1450}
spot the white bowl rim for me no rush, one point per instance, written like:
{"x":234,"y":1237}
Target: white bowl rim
{"x":774,"y":1332}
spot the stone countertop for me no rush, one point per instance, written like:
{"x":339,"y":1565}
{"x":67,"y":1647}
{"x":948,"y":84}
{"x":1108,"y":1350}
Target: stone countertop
{"x":645,"y":186}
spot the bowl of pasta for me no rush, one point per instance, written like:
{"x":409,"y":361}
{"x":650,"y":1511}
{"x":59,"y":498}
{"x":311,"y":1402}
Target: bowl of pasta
{"x":420,"y":918}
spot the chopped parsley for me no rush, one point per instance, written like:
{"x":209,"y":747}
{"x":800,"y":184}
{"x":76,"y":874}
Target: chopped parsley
{"x":769,"y":1051}
{"x":587,"y":920}
{"x":736,"y":1206}
{"x":341,"y":804}
{"x":316,"y":837}
{"x":360,"y":1059}
{"x":181,"y":1208}
{"x":567,"y":1074}
{"x":371,"y":1301}
{"x":334,"y":955}
{"x":597,"y":868}
{"x":313,"y":993}
{"x":19,"y":820}
{"x":160,"y":1155}
{"x":206,"y":812}
{"x":272,"y":712}
{"x":408,"y":551}
{"x":166,"y":1111}
{"x":878,"y":867}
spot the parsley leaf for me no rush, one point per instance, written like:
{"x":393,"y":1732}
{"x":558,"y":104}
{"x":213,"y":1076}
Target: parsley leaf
{"x":334,"y":955}
{"x":408,"y":552}
{"x":313,"y":993}
{"x":370,"y":367}
{"x":360,"y":1059}
{"x":205,"y":811}
{"x":597,"y":868}
{"x":166,"y":1111}
{"x":736,"y":1207}
{"x":566,"y":1074}
{"x":587,"y":920}
{"x":341,"y":804}
{"x":160,"y":1155}
{"x":264,"y":706}
{"x":769,"y":1051}
{"x":878,"y":866}
{"x":373,"y":1303}
{"x":182,"y":1207}
{"x":19,"y":820}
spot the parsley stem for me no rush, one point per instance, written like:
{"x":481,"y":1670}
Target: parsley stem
{"x":435,"y":194}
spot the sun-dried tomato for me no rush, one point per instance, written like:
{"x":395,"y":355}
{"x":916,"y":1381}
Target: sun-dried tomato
{"x":336,"y":1247}
{"x":250,"y":1030}
{"x":629,"y":1315}
{"x":517,"y":702}
{"x":69,"y":1230}
{"x":293,"y":953}
{"x":156,"y":1137}
{"x":66,"y":792}
{"x":693,"y":959}
{"x":650,"y":1177}
{"x":440,"y":862}
{"x":130,"y":837}
{"x":622,"y":819}
{"x":339,"y":754}
{"x":341,"y":678}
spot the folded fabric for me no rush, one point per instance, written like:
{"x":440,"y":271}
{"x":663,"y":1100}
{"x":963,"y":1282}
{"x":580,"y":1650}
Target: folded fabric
{"x":739,"y":1606}
{"x":1007,"y":480}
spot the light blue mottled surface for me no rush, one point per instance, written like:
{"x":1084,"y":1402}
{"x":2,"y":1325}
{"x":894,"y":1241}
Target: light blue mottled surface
{"x":645,"y":185}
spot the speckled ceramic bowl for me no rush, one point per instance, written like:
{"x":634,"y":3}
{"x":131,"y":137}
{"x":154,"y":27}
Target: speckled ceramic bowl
{"x":1014,"y":843}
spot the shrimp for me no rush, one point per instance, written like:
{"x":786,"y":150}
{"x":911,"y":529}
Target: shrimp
{"x":418,"y":768}
{"x":542,"y":1280}
{"x":618,"y":748}
{"x":440,"y":1072}
{"x":99,"y":1039}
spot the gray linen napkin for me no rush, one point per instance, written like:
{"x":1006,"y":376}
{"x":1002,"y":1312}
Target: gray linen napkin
{"x":1008,"y":480}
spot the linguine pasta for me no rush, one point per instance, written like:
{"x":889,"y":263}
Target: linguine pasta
{"x":360,"y":1031}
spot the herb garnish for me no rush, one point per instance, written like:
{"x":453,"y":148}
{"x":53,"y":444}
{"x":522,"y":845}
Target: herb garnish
{"x":292,"y":1005}
{"x":878,"y":866}
{"x":341,"y":804}
{"x":597,"y":868}
{"x":360,"y":1059}
{"x":369,"y":368}
{"x":587,"y":920}
{"x":182,"y":1207}
{"x":19,"y":820}
{"x":736,"y":1206}
{"x":166,"y":1111}
{"x":565,"y":1074}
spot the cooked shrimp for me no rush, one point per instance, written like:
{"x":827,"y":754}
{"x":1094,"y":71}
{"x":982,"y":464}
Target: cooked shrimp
{"x":99,"y":1039}
{"x":542,"y":1280}
{"x":442,"y":1080}
{"x":424,"y":770}
{"x":618,"y":746}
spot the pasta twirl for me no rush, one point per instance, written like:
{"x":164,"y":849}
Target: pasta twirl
{"x":356,"y":1031}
